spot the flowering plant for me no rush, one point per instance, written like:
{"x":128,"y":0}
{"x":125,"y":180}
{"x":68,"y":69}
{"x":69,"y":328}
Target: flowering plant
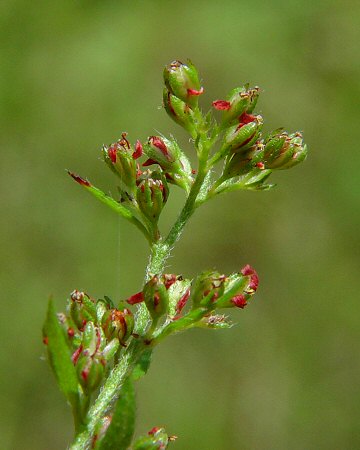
{"x":97,"y":348}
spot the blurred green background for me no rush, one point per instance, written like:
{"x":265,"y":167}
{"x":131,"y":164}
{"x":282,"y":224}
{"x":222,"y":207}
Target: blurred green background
{"x":74,"y":75}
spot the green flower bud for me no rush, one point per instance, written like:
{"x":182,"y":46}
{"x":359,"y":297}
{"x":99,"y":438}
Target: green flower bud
{"x":90,"y":372}
{"x":121,"y":160}
{"x":239,"y":101}
{"x":157,"y":439}
{"x":179,"y":111}
{"x":238,"y":164}
{"x":182,"y":80}
{"x":282,"y":151}
{"x":118,"y":324}
{"x":82,"y":309}
{"x":167,"y":154}
{"x":156,"y":297}
{"x":208,"y":286}
{"x":240,"y":137}
{"x":93,"y":339}
{"x":152,"y":194}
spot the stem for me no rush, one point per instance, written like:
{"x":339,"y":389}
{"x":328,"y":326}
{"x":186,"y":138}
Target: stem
{"x":159,"y":252}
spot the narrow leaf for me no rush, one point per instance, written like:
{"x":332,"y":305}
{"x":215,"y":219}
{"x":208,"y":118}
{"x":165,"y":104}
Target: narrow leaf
{"x":110,"y":202}
{"x":121,"y":429}
{"x":60,"y":358}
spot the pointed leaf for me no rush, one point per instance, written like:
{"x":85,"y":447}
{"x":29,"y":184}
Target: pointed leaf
{"x":110,"y":202}
{"x":60,"y":357}
{"x":121,"y":429}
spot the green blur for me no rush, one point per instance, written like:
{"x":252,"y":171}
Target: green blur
{"x":74,"y":75}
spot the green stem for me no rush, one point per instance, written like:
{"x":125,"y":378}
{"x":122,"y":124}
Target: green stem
{"x":159,"y":252}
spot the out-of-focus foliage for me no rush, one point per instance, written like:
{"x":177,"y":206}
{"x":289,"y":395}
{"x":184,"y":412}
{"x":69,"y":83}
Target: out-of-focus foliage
{"x":74,"y":75}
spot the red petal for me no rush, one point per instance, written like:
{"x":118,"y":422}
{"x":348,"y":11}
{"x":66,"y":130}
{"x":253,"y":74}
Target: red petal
{"x":239,"y":301}
{"x":136,"y":298}
{"x":138,"y":150}
{"x":246,"y":118}
{"x":195,"y":92}
{"x":221,"y":105}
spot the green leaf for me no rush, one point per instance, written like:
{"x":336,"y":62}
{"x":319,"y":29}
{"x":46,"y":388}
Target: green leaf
{"x":110,"y":202}
{"x":143,"y":365}
{"x":60,"y":357}
{"x":121,"y":429}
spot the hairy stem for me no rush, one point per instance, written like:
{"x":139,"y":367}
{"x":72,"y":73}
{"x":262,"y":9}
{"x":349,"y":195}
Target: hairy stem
{"x":160,"y":250}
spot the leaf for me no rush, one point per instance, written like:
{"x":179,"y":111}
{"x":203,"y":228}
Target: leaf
{"x":110,"y":202}
{"x":60,"y":357}
{"x":121,"y":429}
{"x":143,"y":365}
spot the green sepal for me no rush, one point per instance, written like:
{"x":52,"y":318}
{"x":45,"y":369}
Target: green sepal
{"x":179,"y":111}
{"x":121,"y":429}
{"x":234,"y":285}
{"x":155,"y":441}
{"x":214,"y":322}
{"x":252,"y":181}
{"x":175,"y":292}
{"x":143,"y":365}
{"x":60,"y":357}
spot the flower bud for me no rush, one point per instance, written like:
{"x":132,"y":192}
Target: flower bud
{"x":179,"y":111}
{"x":283,"y":151}
{"x":156,"y":297}
{"x":118,"y":324}
{"x":90,"y":372}
{"x":152,"y":194}
{"x":120,"y":157}
{"x":239,"y":101}
{"x":208,"y":286}
{"x":238,"y":164}
{"x":239,"y":138}
{"x":82,"y":309}
{"x":239,"y":287}
{"x":91,"y":339}
{"x":167,"y":154}
{"x":182,"y":80}
{"x":157,"y":439}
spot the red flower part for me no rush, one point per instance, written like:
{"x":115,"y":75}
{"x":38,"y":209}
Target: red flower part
{"x":260,"y":165}
{"x":136,"y":298}
{"x":169,"y":278}
{"x":85,"y":374}
{"x":195,"y":92}
{"x":246,"y":118}
{"x":149,"y":162}
{"x":239,"y":301}
{"x":76,"y":355}
{"x":79,"y":180}
{"x":45,"y":340}
{"x":160,"y":144}
{"x":138,"y":150}
{"x":221,"y":105}
{"x":153,"y":431}
{"x":181,"y":303}
{"x":71,"y":332}
{"x":254,"y":279}
{"x":112,"y":153}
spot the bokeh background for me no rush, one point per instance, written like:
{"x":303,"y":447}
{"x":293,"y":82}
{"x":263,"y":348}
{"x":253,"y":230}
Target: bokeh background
{"x":74,"y":75}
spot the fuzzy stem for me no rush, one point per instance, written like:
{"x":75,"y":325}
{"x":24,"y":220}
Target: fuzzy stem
{"x":159,"y":252}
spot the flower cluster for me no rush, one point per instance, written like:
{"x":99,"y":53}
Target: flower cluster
{"x":95,"y":339}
